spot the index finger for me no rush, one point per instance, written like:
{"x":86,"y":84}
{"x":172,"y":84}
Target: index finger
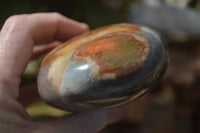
{"x":21,"y":32}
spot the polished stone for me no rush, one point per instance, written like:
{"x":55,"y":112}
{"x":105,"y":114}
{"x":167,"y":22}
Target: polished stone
{"x":103,"y":68}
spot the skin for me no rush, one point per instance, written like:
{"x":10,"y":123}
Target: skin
{"x":22,"y":38}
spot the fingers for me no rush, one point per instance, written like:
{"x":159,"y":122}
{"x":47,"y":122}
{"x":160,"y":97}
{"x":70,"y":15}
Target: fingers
{"x":18,"y":36}
{"x":40,"y":50}
{"x":49,"y":27}
{"x":91,"y":122}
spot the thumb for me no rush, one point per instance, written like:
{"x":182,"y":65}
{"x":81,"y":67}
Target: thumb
{"x":90,"y":122}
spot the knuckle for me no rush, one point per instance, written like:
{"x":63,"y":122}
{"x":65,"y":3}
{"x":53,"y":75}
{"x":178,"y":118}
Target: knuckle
{"x":16,"y":20}
{"x":56,"y":14}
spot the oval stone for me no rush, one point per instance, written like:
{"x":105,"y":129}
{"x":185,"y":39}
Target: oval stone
{"x":103,"y":68}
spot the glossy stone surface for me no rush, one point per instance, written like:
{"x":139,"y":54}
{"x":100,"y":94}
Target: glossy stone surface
{"x":103,"y":68}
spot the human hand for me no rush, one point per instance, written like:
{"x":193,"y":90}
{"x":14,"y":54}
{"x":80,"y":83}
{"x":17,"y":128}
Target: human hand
{"x":21,"y":39}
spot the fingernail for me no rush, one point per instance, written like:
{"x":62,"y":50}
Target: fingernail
{"x":85,"y":26}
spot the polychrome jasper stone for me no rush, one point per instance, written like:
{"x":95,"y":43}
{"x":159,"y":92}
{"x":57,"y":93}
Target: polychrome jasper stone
{"x":103,"y":68}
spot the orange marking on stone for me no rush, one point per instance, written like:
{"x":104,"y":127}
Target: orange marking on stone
{"x":131,"y":27}
{"x":59,"y":52}
{"x":119,"y":53}
{"x":103,"y":46}
{"x":97,"y":46}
